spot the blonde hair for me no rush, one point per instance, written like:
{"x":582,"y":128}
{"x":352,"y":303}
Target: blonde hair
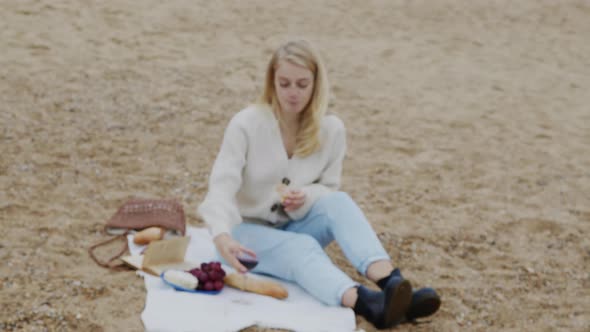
{"x":300,"y":52}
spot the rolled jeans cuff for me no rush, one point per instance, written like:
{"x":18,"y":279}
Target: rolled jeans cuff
{"x":342,"y":290}
{"x":364,"y":265}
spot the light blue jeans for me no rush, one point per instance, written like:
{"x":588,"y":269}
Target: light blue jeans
{"x":294,"y":252}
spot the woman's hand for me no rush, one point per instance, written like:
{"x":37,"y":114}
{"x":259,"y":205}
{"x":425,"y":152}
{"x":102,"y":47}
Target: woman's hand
{"x":229,"y":248}
{"x":293,"y":200}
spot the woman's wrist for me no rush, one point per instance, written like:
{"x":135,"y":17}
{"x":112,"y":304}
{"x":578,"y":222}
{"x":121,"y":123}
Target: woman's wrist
{"x":221,"y":238}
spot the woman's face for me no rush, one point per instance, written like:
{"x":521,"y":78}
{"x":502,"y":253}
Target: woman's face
{"x":294,"y":86}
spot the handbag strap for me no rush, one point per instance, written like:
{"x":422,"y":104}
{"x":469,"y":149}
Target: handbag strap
{"x":108,"y":264}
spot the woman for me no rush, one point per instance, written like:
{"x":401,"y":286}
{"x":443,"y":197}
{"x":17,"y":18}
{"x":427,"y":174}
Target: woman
{"x":273,"y":194}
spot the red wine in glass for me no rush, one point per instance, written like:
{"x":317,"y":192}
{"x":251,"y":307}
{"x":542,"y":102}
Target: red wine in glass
{"x":247,"y":260}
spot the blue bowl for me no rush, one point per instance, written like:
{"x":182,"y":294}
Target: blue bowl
{"x":182,"y":289}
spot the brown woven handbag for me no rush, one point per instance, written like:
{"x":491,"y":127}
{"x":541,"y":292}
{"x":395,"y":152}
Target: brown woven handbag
{"x":135,"y":215}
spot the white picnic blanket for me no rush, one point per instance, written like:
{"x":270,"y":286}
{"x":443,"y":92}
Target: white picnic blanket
{"x":233,"y":310}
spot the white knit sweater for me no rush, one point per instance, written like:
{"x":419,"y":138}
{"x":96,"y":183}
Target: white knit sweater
{"x":252,"y":162}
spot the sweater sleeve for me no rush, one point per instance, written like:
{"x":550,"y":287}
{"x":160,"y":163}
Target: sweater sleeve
{"x":219,"y":209}
{"x":329,"y":180}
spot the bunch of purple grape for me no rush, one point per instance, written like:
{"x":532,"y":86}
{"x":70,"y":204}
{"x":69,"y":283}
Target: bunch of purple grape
{"x":210,"y":276}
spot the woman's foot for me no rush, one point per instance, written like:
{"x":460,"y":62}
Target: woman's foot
{"x":425,"y":301}
{"x":386,"y":308}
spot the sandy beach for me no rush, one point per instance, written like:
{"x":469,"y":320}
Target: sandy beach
{"x":468,"y":128}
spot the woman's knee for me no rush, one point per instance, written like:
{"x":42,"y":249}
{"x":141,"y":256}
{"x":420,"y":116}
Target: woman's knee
{"x":339,"y":196}
{"x":334,"y":200}
{"x":333,"y":204}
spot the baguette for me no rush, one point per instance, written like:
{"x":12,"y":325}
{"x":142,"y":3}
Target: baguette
{"x":148,"y":235}
{"x":253,"y":285}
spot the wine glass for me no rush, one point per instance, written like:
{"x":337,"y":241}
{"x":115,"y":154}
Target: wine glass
{"x":249,"y":263}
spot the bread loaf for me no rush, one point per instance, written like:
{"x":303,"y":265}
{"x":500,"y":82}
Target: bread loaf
{"x":148,"y":235}
{"x":181,"y":278}
{"x":254,"y":285}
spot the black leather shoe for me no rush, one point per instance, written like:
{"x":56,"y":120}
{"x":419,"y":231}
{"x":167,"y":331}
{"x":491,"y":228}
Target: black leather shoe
{"x":386,"y":308}
{"x":398,"y":295}
{"x":425,"y":301}
{"x":369,"y":304}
